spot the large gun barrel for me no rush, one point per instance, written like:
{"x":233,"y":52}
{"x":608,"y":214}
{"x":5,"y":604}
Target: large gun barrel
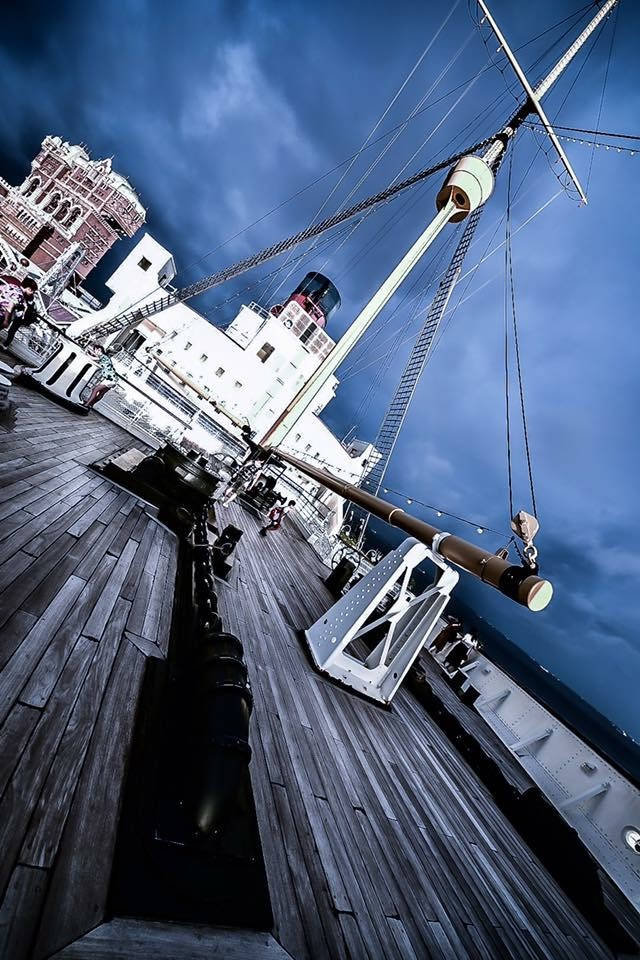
{"x":516,"y":582}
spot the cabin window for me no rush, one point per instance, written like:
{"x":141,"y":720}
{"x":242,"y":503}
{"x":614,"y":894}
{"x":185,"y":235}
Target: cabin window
{"x":144,"y":264}
{"x":219,"y":371}
{"x":297,"y":437}
{"x":188,"y":345}
{"x":265,"y":352}
{"x":308,"y":333}
{"x":237,"y":384}
{"x":203,"y":358}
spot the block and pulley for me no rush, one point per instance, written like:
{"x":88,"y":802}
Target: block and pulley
{"x":468,"y":186}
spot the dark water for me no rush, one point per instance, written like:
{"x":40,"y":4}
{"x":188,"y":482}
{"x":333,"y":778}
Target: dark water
{"x":591,"y":725}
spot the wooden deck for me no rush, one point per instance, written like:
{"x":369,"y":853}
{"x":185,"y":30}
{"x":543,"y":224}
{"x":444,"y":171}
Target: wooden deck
{"x":378,"y":838}
{"x":86,"y":585}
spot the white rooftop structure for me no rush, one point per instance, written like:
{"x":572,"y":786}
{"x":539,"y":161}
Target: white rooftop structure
{"x":244,"y":374}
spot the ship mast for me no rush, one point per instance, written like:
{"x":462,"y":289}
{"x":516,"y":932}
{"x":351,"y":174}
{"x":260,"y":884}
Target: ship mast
{"x":466,"y":189}
{"x":396,"y":413}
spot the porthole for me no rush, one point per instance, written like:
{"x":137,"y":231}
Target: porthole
{"x":631,"y":836}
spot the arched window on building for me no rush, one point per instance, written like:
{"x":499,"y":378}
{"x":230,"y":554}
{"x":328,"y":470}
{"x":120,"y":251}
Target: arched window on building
{"x":62,"y":211}
{"x":73,"y":217}
{"x":53,"y":202}
{"x":31,"y":186}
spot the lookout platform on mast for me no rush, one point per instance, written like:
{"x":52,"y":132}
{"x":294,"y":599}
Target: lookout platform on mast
{"x":378,"y":838}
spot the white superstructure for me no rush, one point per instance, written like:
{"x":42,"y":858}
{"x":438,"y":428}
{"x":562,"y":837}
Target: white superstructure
{"x":250,"y":371}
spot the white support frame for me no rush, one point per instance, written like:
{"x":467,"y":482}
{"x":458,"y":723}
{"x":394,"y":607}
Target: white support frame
{"x":411,"y":622}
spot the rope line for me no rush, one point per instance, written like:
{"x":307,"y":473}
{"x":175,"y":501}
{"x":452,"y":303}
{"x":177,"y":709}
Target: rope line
{"x":506,"y":337}
{"x":604,"y":88}
{"x":599,"y":133}
{"x":268,"y":253}
{"x":525,"y":429}
{"x":398,"y":493}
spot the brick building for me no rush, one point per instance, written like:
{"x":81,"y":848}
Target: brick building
{"x":66,"y":199}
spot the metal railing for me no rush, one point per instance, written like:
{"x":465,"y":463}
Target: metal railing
{"x":35,"y":343}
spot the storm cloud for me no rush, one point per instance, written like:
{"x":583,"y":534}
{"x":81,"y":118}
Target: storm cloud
{"x":218,"y":112}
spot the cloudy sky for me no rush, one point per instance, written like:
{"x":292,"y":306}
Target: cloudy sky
{"x":220,"y":112}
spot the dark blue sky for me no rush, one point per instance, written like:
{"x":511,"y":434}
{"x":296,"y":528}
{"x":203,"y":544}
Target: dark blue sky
{"x":218,"y":112}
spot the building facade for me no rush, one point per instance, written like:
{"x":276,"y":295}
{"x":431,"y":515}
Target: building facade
{"x":68,"y":199}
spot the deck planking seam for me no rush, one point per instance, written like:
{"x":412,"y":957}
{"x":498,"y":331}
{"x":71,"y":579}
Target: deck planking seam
{"x":327,"y":769}
{"x":61,"y":520}
{"x":47,"y":822}
{"x":21,"y":794}
{"x":77,"y":894}
{"x":359,"y":757}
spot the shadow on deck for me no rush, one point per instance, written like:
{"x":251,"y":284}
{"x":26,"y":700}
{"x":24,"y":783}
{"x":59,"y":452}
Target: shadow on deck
{"x":378,"y":839}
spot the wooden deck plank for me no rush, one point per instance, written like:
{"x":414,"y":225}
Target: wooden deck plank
{"x":30,"y":527}
{"x":49,"y":817}
{"x":42,"y":681}
{"x":128,"y":529}
{"x":102,"y":545}
{"x":151,"y":622}
{"x":398,"y":802}
{"x":13,"y":567}
{"x":14,"y":735}
{"x":142,"y":940}
{"x":75,"y":508}
{"x":18,"y":669}
{"x":21,"y":794}
{"x":97,"y":622}
{"x":93,"y":513}
{"x":39,"y":599}
{"x":166,"y":611}
{"x":17,"y":592}
{"x":78,"y":889}
{"x":288,"y":922}
{"x":23,"y":900}
{"x":13,"y":633}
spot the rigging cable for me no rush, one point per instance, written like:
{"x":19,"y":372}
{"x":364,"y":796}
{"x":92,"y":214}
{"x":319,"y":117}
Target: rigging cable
{"x":540,"y":58}
{"x":567,"y":186}
{"x":248,"y":263}
{"x":328,"y":173}
{"x":408,"y":498}
{"x":373,"y":130}
{"x":604,"y":88}
{"x":509,"y":279}
{"x":437,"y":259}
{"x":599,"y":133}
{"x":507,"y":391}
{"x":390,"y":143}
{"x":351,"y":370}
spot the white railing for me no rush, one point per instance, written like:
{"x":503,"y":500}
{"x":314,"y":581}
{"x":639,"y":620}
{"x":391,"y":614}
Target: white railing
{"x":33,"y":344}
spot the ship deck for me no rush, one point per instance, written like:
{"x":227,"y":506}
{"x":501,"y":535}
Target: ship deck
{"x":378,"y":838}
